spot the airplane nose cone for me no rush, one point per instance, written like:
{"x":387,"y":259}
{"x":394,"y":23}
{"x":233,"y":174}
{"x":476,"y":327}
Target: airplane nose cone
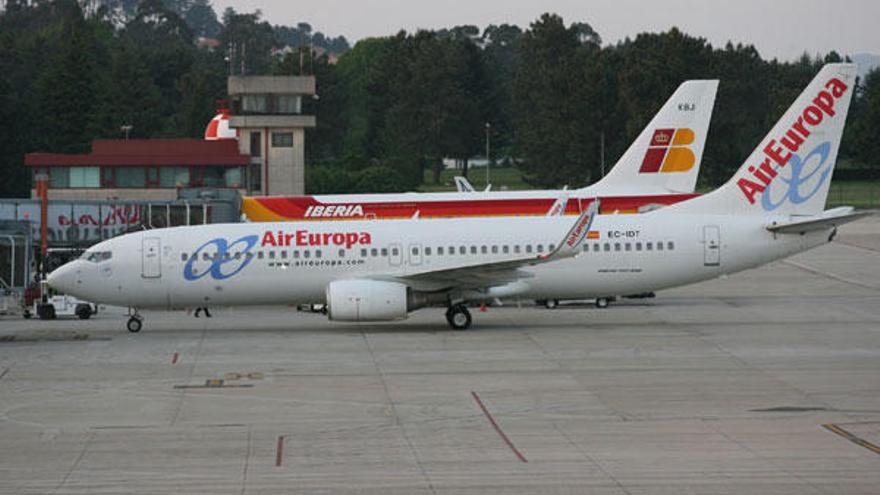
{"x":63,"y":279}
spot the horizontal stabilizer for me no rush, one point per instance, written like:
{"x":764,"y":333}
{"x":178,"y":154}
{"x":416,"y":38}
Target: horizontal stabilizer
{"x":828,"y":219}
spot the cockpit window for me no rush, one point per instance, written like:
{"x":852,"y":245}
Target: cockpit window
{"x":97,"y":256}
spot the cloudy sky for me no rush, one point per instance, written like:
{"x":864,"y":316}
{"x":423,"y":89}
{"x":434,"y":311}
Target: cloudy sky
{"x":778,"y":28}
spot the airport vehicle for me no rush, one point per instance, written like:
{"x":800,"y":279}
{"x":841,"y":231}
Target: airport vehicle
{"x":773,"y":207}
{"x":659,"y":168}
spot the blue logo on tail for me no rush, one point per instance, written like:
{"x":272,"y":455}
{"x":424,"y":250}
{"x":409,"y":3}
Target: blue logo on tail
{"x":816,"y":162}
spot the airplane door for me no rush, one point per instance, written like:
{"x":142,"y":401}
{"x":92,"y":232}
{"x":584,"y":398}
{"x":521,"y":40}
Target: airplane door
{"x":711,"y":245}
{"x":395,"y":254}
{"x":151,"y":261}
{"x":415,"y":254}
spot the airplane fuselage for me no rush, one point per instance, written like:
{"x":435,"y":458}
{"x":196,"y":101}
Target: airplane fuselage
{"x":293,"y":262}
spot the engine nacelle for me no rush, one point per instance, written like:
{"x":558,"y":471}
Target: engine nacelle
{"x":366,"y":300}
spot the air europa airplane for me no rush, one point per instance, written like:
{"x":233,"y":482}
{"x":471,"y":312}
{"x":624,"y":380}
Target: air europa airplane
{"x":659,"y":168}
{"x":382,"y":270}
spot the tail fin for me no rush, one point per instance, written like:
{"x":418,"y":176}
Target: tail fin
{"x":789,"y":173}
{"x":667,"y":154}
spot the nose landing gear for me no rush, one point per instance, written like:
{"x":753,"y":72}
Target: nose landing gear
{"x":135,"y":321}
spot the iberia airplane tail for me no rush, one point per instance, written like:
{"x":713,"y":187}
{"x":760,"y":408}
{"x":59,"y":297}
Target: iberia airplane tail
{"x":666,"y":156}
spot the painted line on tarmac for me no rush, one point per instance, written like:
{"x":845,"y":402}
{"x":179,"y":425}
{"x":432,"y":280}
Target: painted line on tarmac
{"x":174,"y":358}
{"x":833,"y":428}
{"x":5,"y":370}
{"x":279,"y":450}
{"x":498,"y":427}
{"x":816,"y":271}
{"x":866,"y":248}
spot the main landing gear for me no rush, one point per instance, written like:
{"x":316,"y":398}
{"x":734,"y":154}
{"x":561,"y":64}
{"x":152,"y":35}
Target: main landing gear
{"x":458,"y":317}
{"x":135,"y":321}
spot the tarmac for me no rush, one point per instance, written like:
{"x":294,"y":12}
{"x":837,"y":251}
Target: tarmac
{"x":764,"y":382}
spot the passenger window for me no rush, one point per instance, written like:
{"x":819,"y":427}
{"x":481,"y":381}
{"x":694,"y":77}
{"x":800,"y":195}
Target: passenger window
{"x":596,"y":247}
{"x":271,"y":255}
{"x":394,"y":252}
{"x":462,"y":250}
{"x":374,"y":252}
{"x":415,"y":251}
{"x":295,"y":255}
{"x":638,"y":246}
{"x":440,"y":251}
{"x":550,"y":248}
{"x":484,"y":250}
{"x":528,"y":248}
{"x":260,"y":255}
{"x":227,"y":255}
{"x":384,"y":252}
{"x":540,"y":248}
{"x":494,"y":249}
{"x":183,"y":257}
{"x":505,"y":249}
{"x":473,"y":249}
{"x":342,"y":253}
{"x":617,"y":246}
{"x":670,"y":246}
{"x":363,"y":253}
{"x":649,"y":246}
{"x":607,"y":247}
{"x":317,"y":253}
{"x":249,"y":255}
{"x":628,"y":246}
{"x":659,"y":246}
{"x":586,"y":248}
{"x":516,"y":248}
{"x":427,"y":251}
{"x":284,"y":255}
{"x":451,"y":249}
{"x":306,"y":254}
{"x":238,"y":256}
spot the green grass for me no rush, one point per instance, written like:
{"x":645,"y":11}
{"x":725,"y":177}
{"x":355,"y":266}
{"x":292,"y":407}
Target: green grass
{"x":509,"y":177}
{"x":858,"y":193}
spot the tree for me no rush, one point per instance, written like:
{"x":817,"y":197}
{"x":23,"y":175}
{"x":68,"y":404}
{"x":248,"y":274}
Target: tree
{"x":249,"y":42}
{"x":555,"y":128}
{"x":867,"y":127}
{"x":68,"y":89}
{"x":132,"y":97}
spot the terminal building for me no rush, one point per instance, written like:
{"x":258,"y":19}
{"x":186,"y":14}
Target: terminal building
{"x":254,"y":146}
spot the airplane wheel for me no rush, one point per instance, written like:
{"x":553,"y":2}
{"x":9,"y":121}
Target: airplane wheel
{"x":458,"y":317}
{"x":134,"y":325}
{"x":602,"y":302}
{"x":551,"y":303}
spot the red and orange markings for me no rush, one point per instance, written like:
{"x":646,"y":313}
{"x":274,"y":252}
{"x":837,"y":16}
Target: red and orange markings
{"x":669,"y":151}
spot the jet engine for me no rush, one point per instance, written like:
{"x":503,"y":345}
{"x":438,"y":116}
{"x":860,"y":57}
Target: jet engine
{"x":366,"y":300}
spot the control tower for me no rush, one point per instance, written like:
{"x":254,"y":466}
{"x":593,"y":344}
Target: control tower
{"x":267,"y":113}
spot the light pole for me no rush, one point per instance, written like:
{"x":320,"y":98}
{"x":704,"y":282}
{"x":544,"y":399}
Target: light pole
{"x":126,"y":130}
{"x":488,"y":159}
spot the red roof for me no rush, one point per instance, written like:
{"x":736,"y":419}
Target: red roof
{"x":146,"y":152}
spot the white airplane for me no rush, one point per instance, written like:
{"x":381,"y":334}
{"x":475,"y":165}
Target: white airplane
{"x":659,"y":168}
{"x":380,"y":270}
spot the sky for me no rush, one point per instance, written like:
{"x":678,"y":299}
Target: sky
{"x":781,"y":29}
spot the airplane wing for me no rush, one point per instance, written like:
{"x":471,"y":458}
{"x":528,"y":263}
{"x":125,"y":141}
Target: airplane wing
{"x":481,"y":274}
{"x":828,"y":219}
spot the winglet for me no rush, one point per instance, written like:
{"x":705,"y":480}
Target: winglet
{"x":571,"y":243}
{"x":558,"y":207}
{"x":462,"y":184}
